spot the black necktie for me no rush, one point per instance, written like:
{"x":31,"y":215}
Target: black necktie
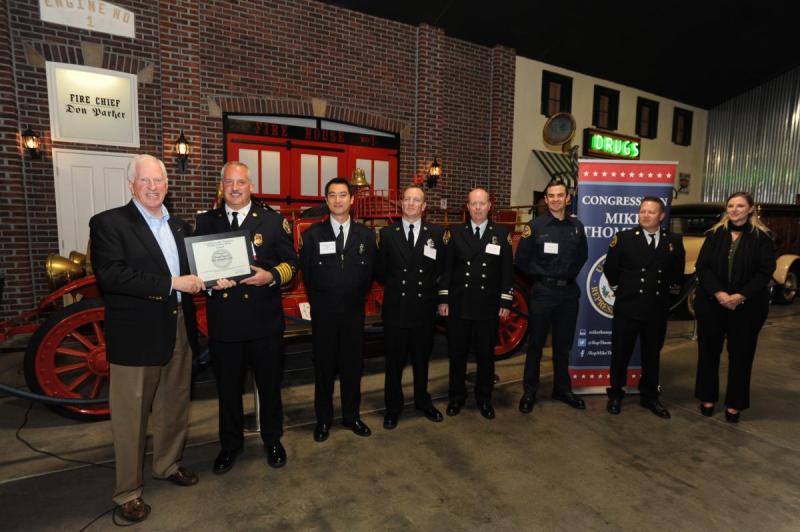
{"x":234,"y":220}
{"x":652,"y":240}
{"x":340,"y":240}
{"x":411,"y":236}
{"x":477,"y":233}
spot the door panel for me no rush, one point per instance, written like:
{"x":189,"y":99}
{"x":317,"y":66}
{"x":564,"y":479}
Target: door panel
{"x":86,"y":183}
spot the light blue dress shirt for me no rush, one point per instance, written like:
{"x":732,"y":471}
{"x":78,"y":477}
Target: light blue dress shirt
{"x":165,"y":239}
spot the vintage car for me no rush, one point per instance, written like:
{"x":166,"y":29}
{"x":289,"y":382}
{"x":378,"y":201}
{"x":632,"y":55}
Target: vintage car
{"x":693,"y":220}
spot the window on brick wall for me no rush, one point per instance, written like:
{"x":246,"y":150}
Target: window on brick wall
{"x":646,"y":118}
{"x":682,"y":127}
{"x":556,"y":93}
{"x":606,"y":108}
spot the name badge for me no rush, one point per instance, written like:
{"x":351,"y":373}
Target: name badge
{"x":551,"y":248}
{"x":429,"y":252}
{"x":493,"y":249}
{"x":326,"y":248}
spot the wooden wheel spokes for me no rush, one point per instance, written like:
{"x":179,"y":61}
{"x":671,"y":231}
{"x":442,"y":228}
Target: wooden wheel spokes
{"x":66,"y":369}
{"x":82,"y":339}
{"x":77,"y":382}
{"x":98,"y":333}
{"x":71,"y":352}
{"x":97,"y":386}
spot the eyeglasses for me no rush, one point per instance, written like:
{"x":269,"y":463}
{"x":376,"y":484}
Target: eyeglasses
{"x":412,"y":200}
{"x":151,"y":181}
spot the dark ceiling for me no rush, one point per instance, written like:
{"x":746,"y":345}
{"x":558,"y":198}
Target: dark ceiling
{"x":701,"y":52}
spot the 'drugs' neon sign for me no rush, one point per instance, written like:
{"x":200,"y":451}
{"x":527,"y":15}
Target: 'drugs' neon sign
{"x":609,"y":145}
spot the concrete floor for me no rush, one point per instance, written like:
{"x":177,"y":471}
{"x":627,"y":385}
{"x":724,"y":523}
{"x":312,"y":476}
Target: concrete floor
{"x":556,"y":469}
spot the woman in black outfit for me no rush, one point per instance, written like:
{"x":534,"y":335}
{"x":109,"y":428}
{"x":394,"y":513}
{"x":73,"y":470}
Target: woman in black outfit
{"x":734,"y":268}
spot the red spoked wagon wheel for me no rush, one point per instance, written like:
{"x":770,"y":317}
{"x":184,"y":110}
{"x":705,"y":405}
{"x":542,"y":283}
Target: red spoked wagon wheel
{"x":66,"y":358}
{"x":513,"y":329}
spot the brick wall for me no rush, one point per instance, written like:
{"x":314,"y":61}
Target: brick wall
{"x":446,"y":98}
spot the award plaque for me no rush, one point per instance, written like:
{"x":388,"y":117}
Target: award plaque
{"x":220,"y":256}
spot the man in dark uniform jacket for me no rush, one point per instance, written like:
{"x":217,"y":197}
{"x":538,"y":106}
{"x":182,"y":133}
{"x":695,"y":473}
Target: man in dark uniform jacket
{"x":139,"y":259}
{"x":551,"y":252}
{"x":245,"y":319}
{"x":642,"y":263}
{"x":337,"y":258}
{"x":476,"y":290}
{"x":409,"y":263}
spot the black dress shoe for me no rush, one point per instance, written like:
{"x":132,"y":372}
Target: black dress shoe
{"x":614,"y":405}
{"x":390,"y":421}
{"x":432,"y":413}
{"x":224,"y":461}
{"x":731,"y":417}
{"x":707,"y":411}
{"x":571,"y":399}
{"x":526,"y":404}
{"x":322,"y":431}
{"x":358,"y":427}
{"x":486,"y":410}
{"x":656,"y":407}
{"x":454,"y":407}
{"x":276,"y":454}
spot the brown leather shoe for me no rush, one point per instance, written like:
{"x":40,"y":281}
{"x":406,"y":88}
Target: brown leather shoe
{"x":183,"y":477}
{"x":135,"y":510}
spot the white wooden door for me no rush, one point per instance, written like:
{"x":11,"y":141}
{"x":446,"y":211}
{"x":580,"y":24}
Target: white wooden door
{"x":86,"y":182}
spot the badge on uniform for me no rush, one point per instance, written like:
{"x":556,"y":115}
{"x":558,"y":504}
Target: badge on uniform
{"x":613,"y":241}
{"x":446,"y":236}
{"x":526,"y":231}
{"x":286,"y":227}
{"x":494,"y":240}
{"x":258,"y":239}
{"x":429,"y":243}
{"x":361,"y":248}
{"x":508,"y":238}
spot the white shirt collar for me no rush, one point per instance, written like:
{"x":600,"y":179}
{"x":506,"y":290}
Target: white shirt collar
{"x":243,"y":212}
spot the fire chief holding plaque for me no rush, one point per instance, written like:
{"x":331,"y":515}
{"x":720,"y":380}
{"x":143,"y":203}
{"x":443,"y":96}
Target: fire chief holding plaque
{"x":245,"y":315}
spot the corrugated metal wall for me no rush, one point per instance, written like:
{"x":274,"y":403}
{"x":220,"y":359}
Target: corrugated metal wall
{"x":754,"y":143}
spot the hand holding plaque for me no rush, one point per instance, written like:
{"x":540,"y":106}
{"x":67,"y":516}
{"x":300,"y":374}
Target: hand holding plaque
{"x":220,"y":256}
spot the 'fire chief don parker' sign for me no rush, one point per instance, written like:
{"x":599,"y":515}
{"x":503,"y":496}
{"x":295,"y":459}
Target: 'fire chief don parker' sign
{"x":92,"y":105}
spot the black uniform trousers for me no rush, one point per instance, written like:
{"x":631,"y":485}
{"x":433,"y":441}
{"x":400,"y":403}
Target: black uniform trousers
{"x":481,"y":336}
{"x":624,"y":332}
{"x":399,"y":342}
{"x":338,"y":346}
{"x":741,"y":328}
{"x":230,"y":360}
{"x":550,"y":308}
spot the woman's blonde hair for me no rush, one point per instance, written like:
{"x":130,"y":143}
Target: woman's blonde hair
{"x":752,"y":218}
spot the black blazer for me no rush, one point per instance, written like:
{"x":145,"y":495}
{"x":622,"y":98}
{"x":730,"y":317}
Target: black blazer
{"x":475,"y":283}
{"x":135,"y":281}
{"x":410,"y":277}
{"x":753,"y":266}
{"x":247,"y":312}
{"x":643,"y":276}
{"x":337,"y":283}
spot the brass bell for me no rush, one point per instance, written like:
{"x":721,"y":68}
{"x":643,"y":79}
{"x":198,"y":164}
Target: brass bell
{"x":359,"y":178}
{"x":61,"y":270}
{"x":78,"y":258}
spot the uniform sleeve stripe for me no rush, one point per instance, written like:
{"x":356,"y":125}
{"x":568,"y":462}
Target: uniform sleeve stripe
{"x":507,"y":296}
{"x":443,"y":292}
{"x":285,"y":272}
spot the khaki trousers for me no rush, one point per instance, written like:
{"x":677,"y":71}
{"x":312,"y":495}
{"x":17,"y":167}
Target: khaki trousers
{"x":134,"y":392}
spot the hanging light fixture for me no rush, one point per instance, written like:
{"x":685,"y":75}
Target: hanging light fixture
{"x":182,"y":149}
